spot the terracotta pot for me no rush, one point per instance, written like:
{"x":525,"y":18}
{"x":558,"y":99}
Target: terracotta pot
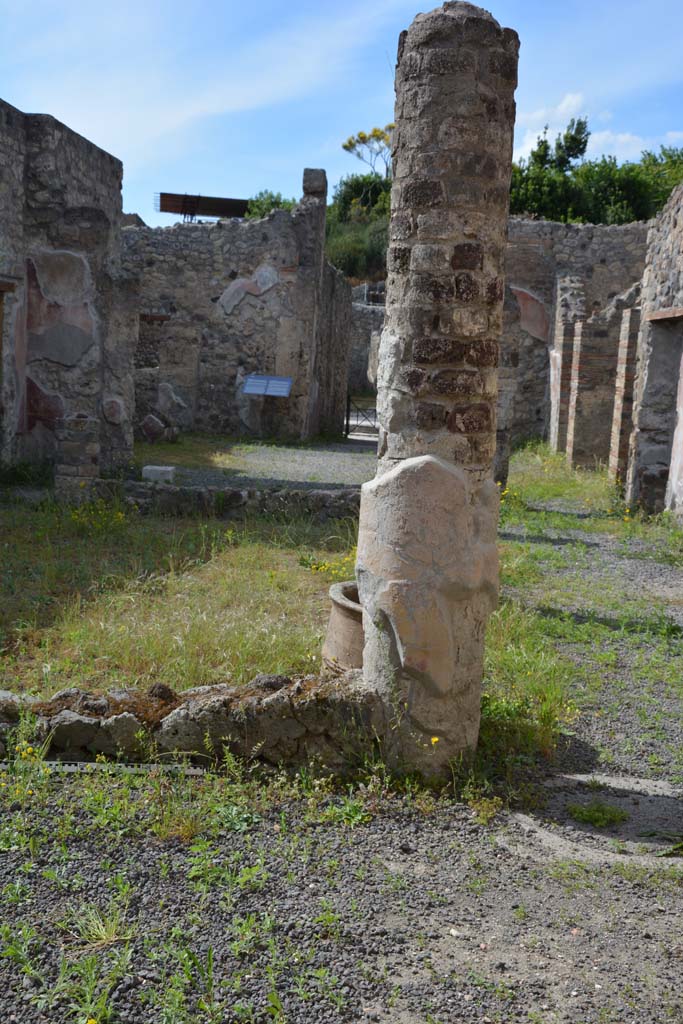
{"x":343,"y":647}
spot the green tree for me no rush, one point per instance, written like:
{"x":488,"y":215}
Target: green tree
{"x":557,"y":183}
{"x":373,"y":148}
{"x":264,"y":201}
{"x":357,"y":225}
{"x":664,"y":170}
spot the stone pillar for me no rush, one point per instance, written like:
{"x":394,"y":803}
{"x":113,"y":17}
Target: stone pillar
{"x":78,"y":458}
{"x":593,"y":382}
{"x":622,"y":420}
{"x":427,"y":562}
{"x":508,"y":366}
{"x":569,"y":307}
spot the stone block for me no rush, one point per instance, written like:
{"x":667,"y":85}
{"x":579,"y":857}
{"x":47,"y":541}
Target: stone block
{"x":315,"y":182}
{"x":159,"y":474}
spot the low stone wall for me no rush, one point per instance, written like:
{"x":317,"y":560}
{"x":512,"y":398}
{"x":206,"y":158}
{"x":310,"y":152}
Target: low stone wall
{"x":277,"y":719}
{"x":230,"y":502}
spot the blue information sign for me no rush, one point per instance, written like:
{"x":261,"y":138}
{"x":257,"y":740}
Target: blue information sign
{"x":267,"y":384}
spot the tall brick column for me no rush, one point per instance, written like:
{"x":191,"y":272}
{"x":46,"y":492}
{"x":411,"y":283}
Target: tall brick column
{"x":569,"y":308}
{"x":622,"y":419}
{"x":427,"y":564}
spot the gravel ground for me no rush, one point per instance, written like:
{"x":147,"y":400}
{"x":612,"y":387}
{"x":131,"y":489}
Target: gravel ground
{"x":325,"y":909}
{"x":321,"y":466}
{"x":632,"y":698}
{"x":411,"y":917}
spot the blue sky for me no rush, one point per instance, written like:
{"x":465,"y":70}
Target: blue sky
{"x":227,"y":98}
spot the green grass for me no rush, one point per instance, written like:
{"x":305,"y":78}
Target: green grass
{"x":598,"y":814}
{"x":539,"y":474}
{"x":98,"y":596}
{"x":101,"y":596}
{"x":193,"y":451}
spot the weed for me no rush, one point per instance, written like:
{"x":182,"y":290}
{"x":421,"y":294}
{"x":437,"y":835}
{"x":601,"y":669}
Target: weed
{"x":597,"y":813}
{"x":329,"y":920}
{"x":93,"y":928}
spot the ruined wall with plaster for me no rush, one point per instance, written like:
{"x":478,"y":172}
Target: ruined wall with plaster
{"x":68,"y":323}
{"x":560,"y":274}
{"x":220,"y":301}
{"x":622,"y":414}
{"x":601,"y":261}
{"x":655,"y":473}
{"x":593,"y":380}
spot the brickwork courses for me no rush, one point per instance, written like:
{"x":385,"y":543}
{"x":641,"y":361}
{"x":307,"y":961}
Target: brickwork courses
{"x":622,"y":418}
{"x":593,"y":382}
{"x":427,"y":565}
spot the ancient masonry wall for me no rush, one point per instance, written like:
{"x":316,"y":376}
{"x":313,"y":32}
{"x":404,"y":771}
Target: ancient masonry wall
{"x":427,"y":565}
{"x":220,"y":301}
{"x":367,"y":320}
{"x":561,"y":274}
{"x":622,"y":417}
{"x":508,"y":370}
{"x":655,"y":473}
{"x":593,"y":380}
{"x":558,"y":274}
{"x":67,"y":326}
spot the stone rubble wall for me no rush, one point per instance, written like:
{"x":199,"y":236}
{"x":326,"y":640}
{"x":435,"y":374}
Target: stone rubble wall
{"x":531,"y":406}
{"x":608,"y":258}
{"x":332,"y":363}
{"x":275,"y":719}
{"x":68,"y":325}
{"x":508,"y":383}
{"x":655,"y":473}
{"x":219,"y":301}
{"x":565,"y":273}
{"x":230,"y":502}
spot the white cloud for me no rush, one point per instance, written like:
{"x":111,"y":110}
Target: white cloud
{"x":136,"y":91}
{"x":622,"y":145}
{"x":571,"y":105}
{"x":556,"y":118}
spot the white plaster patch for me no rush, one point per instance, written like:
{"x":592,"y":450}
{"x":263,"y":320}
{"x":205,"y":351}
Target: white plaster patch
{"x":263,"y":279}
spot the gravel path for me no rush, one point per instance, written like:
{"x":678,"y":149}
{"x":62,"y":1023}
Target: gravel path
{"x":323,"y":466}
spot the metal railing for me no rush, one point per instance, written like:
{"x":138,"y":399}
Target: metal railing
{"x":360,"y":419}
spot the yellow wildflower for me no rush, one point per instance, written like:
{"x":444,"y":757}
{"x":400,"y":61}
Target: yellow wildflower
{"x":435,"y":740}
